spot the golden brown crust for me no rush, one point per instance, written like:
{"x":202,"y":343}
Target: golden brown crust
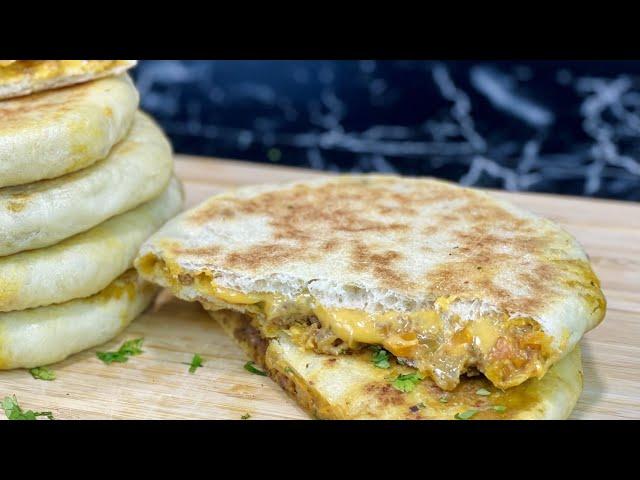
{"x":20,"y":78}
{"x":361,"y":217}
{"x":38,"y":104}
{"x":55,"y":132}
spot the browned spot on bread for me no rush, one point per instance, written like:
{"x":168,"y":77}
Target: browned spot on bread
{"x":16,"y":206}
{"x":491,"y":241}
{"x":384,"y":393}
{"x":430,"y":230}
{"x":227,"y":213}
{"x":18,"y":201}
{"x":330,"y":362}
{"x":284,"y":381}
{"x":266,"y":254}
{"x":17,"y":108}
{"x":38,"y":105}
{"x":364,"y":259}
{"x":330,"y":245}
{"x":202,"y":252}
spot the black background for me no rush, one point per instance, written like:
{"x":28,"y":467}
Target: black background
{"x":551,"y":126}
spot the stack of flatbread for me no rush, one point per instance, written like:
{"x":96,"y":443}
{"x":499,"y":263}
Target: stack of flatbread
{"x":85,"y":178}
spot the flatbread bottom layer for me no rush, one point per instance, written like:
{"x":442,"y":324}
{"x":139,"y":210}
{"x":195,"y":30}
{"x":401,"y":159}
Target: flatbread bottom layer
{"x":45,"y":335}
{"x":351,"y":387}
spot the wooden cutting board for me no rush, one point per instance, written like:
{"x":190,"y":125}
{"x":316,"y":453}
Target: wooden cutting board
{"x":157,"y":384}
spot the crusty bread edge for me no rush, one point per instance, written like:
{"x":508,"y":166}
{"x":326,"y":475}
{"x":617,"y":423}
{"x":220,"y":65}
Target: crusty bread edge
{"x":256,"y":348}
{"x":557,"y":405}
{"x":27,"y":87}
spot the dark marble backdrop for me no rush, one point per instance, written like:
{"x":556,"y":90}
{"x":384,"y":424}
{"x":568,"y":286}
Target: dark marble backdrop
{"x":564,"y":127}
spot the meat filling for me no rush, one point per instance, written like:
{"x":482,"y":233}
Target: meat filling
{"x":506,"y":350}
{"x":520,"y":351}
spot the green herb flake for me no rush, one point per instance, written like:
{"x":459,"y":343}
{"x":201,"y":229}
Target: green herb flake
{"x":466,"y":415}
{"x":246,"y":416}
{"x":43,"y":373}
{"x":128,"y":349}
{"x":288,"y":370}
{"x":483,"y":392}
{"x":499,"y":408}
{"x":381,"y":358}
{"x":251,"y":367}
{"x":406,"y":383}
{"x":13,"y":411}
{"x":196,"y":362}
{"x":443,"y":399}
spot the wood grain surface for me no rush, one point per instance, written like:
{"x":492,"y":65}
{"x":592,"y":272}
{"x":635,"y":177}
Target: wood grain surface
{"x":157,"y":384}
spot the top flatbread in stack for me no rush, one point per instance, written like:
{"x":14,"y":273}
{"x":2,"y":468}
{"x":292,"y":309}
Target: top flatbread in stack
{"x":23,"y":77}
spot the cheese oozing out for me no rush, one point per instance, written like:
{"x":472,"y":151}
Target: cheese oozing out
{"x":506,"y":350}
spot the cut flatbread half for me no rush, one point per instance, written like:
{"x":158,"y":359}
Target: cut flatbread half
{"x":85,"y":263}
{"x":50,"y":134}
{"x":45,"y":335}
{"x":348,"y":387}
{"x":23,"y":77}
{"x":41,"y":214}
{"x":449,"y":279}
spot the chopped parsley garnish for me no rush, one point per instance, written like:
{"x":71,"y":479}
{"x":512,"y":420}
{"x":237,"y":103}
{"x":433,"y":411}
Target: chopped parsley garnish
{"x":380,"y":358}
{"x":483,"y":392}
{"x":246,"y":416}
{"x":288,"y":370}
{"x":466,"y":415}
{"x":42,"y":373}
{"x":13,"y":411}
{"x":499,"y":408}
{"x":406,"y":383}
{"x":443,"y":399}
{"x":251,"y":367}
{"x":128,"y":348}
{"x":196,"y":362}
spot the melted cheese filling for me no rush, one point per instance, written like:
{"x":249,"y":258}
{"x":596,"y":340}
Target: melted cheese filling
{"x":507,"y":350}
{"x":14,"y":70}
